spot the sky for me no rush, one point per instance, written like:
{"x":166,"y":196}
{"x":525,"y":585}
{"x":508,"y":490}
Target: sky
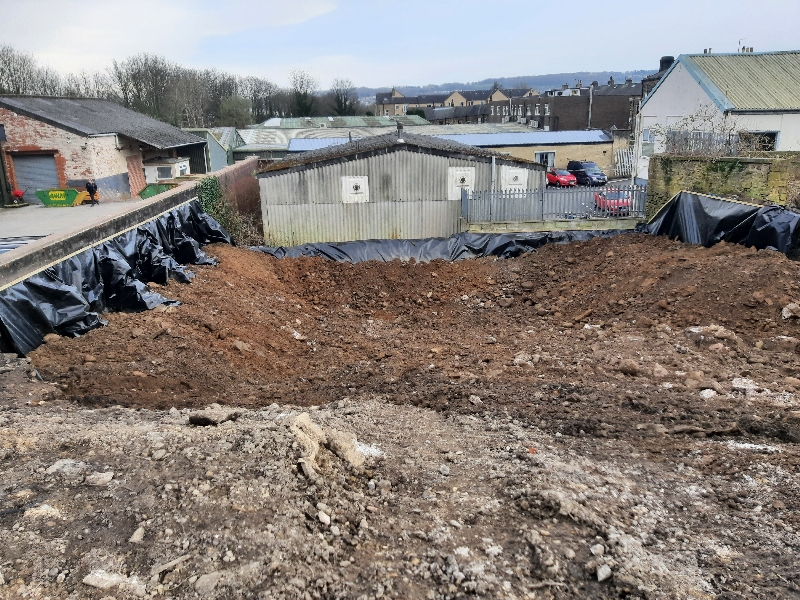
{"x":401,"y":42}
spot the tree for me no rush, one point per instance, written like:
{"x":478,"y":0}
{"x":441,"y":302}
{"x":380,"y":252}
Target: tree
{"x":415,"y":111}
{"x":495,"y":87}
{"x":345,"y":99}
{"x":235,"y":112}
{"x":304,"y":88}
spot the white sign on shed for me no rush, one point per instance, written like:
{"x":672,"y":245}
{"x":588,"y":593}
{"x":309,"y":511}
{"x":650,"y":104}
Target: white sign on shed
{"x":459,"y":178}
{"x":355,"y":189}
{"x":513,"y":178}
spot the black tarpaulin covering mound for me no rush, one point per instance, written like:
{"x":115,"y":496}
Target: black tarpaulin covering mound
{"x":700,"y":219}
{"x":456,"y":247}
{"x":68,"y":298}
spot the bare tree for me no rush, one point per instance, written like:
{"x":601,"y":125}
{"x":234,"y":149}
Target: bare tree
{"x":345,"y":99}
{"x":304,"y":88}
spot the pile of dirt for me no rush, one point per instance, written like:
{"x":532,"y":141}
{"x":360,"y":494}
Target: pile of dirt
{"x":611,"y":418}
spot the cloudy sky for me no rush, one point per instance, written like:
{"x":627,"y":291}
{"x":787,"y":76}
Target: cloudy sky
{"x":401,"y":42}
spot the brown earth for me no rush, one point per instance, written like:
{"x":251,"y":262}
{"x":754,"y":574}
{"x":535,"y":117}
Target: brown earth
{"x":635,"y":393}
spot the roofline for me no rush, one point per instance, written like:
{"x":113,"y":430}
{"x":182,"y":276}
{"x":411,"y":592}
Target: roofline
{"x":660,"y":81}
{"x":278,"y":169}
{"x":709,"y":87}
{"x":716,"y":95}
{"x":32,"y":115}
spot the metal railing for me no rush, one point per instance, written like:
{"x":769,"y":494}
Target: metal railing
{"x":602,"y":202}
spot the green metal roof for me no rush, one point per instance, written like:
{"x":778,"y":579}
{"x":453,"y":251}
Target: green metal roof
{"x":334,"y":122}
{"x":748,"y":81}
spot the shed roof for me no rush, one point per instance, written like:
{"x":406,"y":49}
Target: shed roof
{"x":228,"y":137}
{"x":308,"y":144}
{"x":384,"y":142}
{"x":530,"y":138}
{"x":757,"y":81}
{"x":91,"y":116}
{"x":338,"y":122}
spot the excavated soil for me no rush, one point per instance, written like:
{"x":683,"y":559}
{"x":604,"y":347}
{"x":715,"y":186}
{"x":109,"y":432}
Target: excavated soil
{"x":612,"y":418}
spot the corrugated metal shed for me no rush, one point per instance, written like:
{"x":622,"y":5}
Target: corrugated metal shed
{"x":228,"y":137}
{"x":530,"y":138}
{"x":410,"y":182}
{"x":304,"y":145}
{"x":751,"y":81}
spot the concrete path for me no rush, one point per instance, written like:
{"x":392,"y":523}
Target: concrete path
{"x":39,"y":220}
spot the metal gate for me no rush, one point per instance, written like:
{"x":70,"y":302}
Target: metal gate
{"x":610,"y":201}
{"x":35,"y":172}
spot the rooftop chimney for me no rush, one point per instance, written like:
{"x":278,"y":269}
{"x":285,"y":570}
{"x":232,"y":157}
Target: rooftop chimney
{"x":565,"y":86}
{"x":628,"y":80}
{"x":611,"y":81}
{"x":595,"y":84}
{"x":665,"y":63}
{"x":579,"y":85}
{"x":399,"y":131}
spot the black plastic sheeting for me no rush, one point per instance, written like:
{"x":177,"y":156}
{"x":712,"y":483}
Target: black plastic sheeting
{"x":69,"y":297}
{"x":456,"y":247}
{"x":706,"y":220}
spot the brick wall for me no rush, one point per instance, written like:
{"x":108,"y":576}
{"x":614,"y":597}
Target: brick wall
{"x":763,"y":180}
{"x":77,"y":157}
{"x":602,"y":154}
{"x":240,"y":186}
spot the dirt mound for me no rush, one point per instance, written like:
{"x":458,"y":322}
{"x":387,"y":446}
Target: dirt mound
{"x":632,"y":393}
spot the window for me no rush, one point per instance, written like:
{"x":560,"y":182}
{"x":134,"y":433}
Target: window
{"x":505,"y":110}
{"x":529,"y":110}
{"x":396,"y":108}
{"x":648,"y":136}
{"x":493,"y":111}
{"x":386,"y":113}
{"x":546,"y":109}
{"x":546,"y":158}
{"x":183,"y":170}
{"x":536,"y":110}
{"x":758,"y":141}
{"x":546,"y":128}
{"x":164,"y":172}
{"x":405,"y":108}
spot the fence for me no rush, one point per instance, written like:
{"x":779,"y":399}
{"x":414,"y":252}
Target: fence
{"x":689,"y":143}
{"x":623,"y":162}
{"x":607,"y":202}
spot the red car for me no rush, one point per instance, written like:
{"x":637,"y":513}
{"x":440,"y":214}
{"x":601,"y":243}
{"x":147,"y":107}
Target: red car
{"x":561,"y":178}
{"x":613,"y":201}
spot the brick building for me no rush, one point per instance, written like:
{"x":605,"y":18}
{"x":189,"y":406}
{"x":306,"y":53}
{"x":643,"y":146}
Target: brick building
{"x":61,"y":142}
{"x":394,"y":103}
{"x":566,"y":109}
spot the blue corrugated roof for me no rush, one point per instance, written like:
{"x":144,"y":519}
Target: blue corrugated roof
{"x":531,"y":138}
{"x":306,"y":144}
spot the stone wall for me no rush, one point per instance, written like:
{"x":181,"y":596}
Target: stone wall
{"x":770,"y":180}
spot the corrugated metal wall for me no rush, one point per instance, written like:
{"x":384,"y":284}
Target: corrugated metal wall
{"x":408,"y":198}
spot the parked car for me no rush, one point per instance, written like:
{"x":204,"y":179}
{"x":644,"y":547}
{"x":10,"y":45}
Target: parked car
{"x":613,"y":201}
{"x":586,"y":172}
{"x":560,"y":177}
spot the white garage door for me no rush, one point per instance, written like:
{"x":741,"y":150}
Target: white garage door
{"x":35,"y":172}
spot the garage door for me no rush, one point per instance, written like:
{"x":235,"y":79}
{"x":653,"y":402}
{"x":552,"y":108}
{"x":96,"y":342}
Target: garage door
{"x":35,"y":172}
